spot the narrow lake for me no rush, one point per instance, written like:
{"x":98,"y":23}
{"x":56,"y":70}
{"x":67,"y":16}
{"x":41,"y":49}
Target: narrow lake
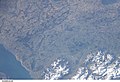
{"x":10,"y":66}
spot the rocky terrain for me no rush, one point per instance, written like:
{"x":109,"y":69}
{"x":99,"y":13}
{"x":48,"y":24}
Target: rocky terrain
{"x":37,"y":32}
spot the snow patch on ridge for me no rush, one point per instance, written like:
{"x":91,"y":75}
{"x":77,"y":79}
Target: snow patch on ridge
{"x":57,"y":70}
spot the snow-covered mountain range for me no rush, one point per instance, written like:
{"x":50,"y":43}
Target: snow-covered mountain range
{"x":97,"y":66}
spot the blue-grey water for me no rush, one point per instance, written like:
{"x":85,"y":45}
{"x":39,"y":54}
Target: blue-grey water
{"x":10,"y":66}
{"x":106,"y":2}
